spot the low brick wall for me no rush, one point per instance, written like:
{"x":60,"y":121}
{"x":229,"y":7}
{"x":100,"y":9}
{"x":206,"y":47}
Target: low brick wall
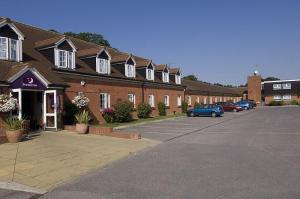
{"x":106,"y":131}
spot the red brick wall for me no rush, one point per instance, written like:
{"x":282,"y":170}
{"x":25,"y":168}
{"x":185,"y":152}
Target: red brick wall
{"x":254,"y":88}
{"x":120,"y":92}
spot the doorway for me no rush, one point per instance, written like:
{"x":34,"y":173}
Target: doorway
{"x":32,"y":108}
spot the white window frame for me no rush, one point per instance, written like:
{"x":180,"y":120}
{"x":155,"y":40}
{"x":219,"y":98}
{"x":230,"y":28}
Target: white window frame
{"x":287,"y":86}
{"x":6,"y":45}
{"x":151,"y":100}
{"x":128,"y":68}
{"x":167,"y":100}
{"x":131,"y":98}
{"x":106,"y":101}
{"x":16,"y":49}
{"x":277,"y":97}
{"x":277,"y":86}
{"x":177,"y":79}
{"x":287,"y":97}
{"x":179,"y":100}
{"x":69,"y":58}
{"x":205,"y":100}
{"x":105,"y":63}
{"x":151,"y":72}
{"x":189,"y":100}
{"x":165,"y":77}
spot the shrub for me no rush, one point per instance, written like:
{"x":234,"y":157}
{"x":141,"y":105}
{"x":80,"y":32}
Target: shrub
{"x":276,"y":103}
{"x":144,"y":110}
{"x":14,"y":123}
{"x":83,"y":117}
{"x":109,"y":115}
{"x":162,"y":109}
{"x":294,"y":102}
{"x":70,"y":110}
{"x":123,"y":111}
{"x":184,"y":106}
{"x":197,"y":105}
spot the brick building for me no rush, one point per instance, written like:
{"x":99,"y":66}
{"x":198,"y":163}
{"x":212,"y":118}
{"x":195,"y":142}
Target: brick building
{"x":44,"y":70}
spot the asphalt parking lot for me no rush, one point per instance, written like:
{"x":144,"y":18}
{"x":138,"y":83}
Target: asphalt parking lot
{"x":253,"y":154}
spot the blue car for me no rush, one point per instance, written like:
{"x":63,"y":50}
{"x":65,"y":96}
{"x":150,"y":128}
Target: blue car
{"x":245,"y":105}
{"x":206,"y":110}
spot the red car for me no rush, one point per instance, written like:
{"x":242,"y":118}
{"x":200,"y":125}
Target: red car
{"x":228,"y":106}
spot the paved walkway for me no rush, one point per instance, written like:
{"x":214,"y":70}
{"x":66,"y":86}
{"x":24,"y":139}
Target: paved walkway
{"x":55,"y":157}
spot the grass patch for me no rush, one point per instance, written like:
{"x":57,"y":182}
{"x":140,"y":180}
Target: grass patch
{"x":142,"y":120}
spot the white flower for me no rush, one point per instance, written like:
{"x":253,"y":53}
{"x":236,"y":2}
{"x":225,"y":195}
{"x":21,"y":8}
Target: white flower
{"x":81,"y":101}
{"x":7,"y":103}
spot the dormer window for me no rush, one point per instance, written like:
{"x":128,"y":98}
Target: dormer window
{"x":10,"y":42}
{"x":103,"y":63}
{"x":130,"y":68}
{"x":149,"y":74}
{"x":177,"y":79}
{"x":165,"y":77}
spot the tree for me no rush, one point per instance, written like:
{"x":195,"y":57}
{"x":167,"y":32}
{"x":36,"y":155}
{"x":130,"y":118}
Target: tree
{"x":90,"y":37}
{"x":270,"y":79}
{"x":191,"y":77}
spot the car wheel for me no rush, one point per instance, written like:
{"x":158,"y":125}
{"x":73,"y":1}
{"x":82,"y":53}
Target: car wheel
{"x":234,"y":110}
{"x":192,"y":114}
{"x":245,"y":108}
{"x":213,"y":114}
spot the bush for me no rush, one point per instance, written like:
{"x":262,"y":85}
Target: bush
{"x":294,"y":102}
{"x":144,"y":110}
{"x":184,"y":106}
{"x":109,"y":115}
{"x":197,"y":105}
{"x":276,"y":103}
{"x":162,"y":109}
{"x":123,"y":111}
{"x":83,"y":117}
{"x":70,"y":110}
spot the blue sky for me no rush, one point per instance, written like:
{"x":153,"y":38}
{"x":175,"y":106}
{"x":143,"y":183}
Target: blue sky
{"x":218,"y":41}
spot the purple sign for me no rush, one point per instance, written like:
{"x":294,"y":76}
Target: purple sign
{"x":28,"y":81}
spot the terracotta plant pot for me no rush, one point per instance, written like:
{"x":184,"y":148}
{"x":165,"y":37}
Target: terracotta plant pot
{"x":13,"y":136}
{"x":82,"y":128}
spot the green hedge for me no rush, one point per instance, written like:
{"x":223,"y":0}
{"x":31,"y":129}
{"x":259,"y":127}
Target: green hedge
{"x":276,"y":103}
{"x":162,"y":109}
{"x":123,"y":110}
{"x":144,"y":110}
{"x":184,"y":106}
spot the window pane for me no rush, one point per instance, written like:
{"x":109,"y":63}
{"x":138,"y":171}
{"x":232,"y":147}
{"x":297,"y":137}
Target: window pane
{"x":13,"y":49}
{"x":70,"y":59}
{"x":62,"y":58}
{"x":3,"y":48}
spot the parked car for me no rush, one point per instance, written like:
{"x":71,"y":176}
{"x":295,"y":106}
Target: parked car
{"x":245,"y":105}
{"x":206,"y":110}
{"x":229,"y":106}
{"x":253,"y":102}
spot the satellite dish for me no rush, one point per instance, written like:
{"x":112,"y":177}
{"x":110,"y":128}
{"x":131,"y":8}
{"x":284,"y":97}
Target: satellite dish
{"x":256,"y":72}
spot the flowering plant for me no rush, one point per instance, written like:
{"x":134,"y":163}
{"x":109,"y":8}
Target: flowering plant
{"x":7,"y":103}
{"x":80,"y":101}
{"x":109,"y":115}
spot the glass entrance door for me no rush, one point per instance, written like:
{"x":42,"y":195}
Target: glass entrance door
{"x":50,"y":110}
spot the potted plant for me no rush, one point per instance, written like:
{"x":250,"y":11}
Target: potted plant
{"x":82,"y":119}
{"x":14,"y":129}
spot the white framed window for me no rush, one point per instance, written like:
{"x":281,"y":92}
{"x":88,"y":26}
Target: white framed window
{"x":189,"y":100}
{"x":167,"y":100}
{"x":179,"y":100}
{"x":151,"y":100}
{"x":65,"y":59}
{"x":220,"y":99}
{"x":177,"y":79}
{"x":210,"y":100}
{"x":216,"y":99}
{"x":198,"y":99}
{"x":103,"y":66}
{"x":287,"y":97}
{"x":276,"y":86}
{"x":3,"y":48}
{"x":131,"y":98}
{"x":149,"y":74}
{"x":287,"y":86}
{"x":165,"y":77}
{"x":104,"y":100}
{"x":129,"y":70}
{"x":13,"y":49}
{"x":205,"y":100}
{"x":277,"y":97}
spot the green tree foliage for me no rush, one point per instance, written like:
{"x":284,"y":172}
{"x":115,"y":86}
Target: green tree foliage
{"x":123,"y":110}
{"x":162,"y":109}
{"x":144,"y":110}
{"x":191,"y":77}
{"x":184,"y":106}
{"x":90,"y":37}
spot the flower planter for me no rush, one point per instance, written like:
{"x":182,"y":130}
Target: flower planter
{"x":13,"y":136}
{"x":82,"y":128}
